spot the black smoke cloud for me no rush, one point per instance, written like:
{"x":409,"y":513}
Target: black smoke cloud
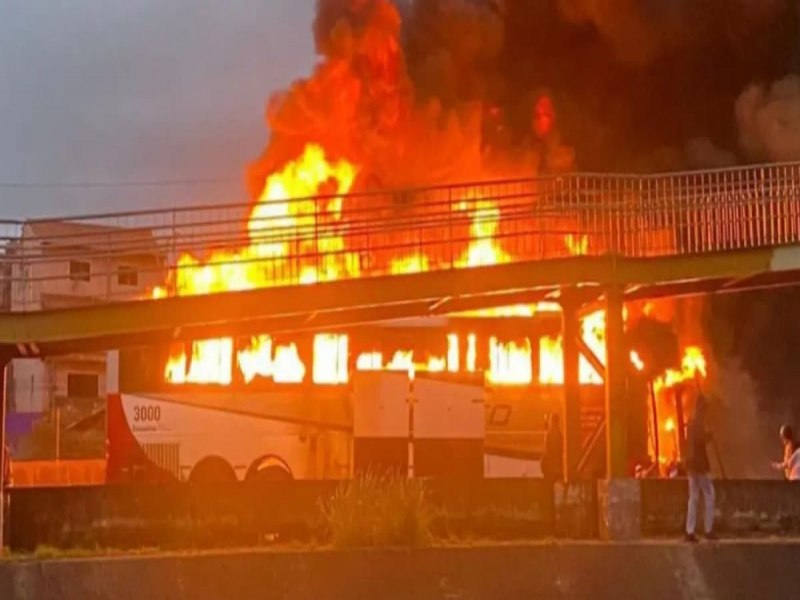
{"x":638,"y":84}
{"x":641,"y":31}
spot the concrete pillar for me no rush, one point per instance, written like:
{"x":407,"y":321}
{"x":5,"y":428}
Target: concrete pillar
{"x":619,"y":502}
{"x":616,"y":413}
{"x":571,"y":331}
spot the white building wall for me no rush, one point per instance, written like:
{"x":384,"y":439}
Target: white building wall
{"x":30,"y":385}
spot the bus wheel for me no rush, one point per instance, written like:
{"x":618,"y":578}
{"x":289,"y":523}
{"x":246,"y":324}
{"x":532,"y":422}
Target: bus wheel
{"x":212,"y":469}
{"x":269,"y":468}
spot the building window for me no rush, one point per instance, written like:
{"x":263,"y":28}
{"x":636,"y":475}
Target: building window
{"x":127,"y":276}
{"x":79,"y":270}
{"x":83,"y":385}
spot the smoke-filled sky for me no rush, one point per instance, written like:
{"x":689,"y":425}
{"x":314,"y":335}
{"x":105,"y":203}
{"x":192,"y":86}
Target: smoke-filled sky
{"x":97,"y":91}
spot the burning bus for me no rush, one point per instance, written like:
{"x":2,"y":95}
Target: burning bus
{"x":467,"y":396}
{"x":462,"y":397}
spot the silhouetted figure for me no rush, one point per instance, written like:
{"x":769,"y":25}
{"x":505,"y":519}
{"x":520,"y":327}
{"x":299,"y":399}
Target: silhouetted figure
{"x":553,"y":458}
{"x":698,"y":469}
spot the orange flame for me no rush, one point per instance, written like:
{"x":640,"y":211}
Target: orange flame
{"x":637,"y":361}
{"x":453,"y":355}
{"x":278,"y":228}
{"x":551,"y":361}
{"x":402,"y":361}
{"x":369,"y":361}
{"x":693,"y":365}
{"x":256,"y":360}
{"x":293,"y":205}
{"x":418,"y":263}
{"x":472,"y":352}
{"x":483,"y":249}
{"x":510,"y":363}
{"x":288,"y":368}
{"x":330,"y":359}
{"x":578,"y":245}
{"x":211,"y":362}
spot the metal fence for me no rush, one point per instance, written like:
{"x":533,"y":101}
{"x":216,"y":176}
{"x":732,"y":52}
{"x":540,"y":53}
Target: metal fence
{"x":124,"y":256}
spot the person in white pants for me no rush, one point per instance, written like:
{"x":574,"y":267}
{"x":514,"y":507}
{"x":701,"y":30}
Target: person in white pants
{"x":699,"y":472}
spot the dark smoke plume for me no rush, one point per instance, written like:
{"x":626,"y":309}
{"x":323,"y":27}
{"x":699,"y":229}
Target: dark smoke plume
{"x":642,"y":31}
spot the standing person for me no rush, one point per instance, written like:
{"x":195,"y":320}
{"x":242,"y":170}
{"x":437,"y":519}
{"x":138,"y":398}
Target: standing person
{"x":791,"y":455}
{"x":698,"y":469}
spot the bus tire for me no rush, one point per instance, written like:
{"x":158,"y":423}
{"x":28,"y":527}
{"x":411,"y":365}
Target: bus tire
{"x":269,"y":468}
{"x":212,"y":469}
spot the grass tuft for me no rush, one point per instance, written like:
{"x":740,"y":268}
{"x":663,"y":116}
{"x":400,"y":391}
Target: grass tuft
{"x":378,"y":511}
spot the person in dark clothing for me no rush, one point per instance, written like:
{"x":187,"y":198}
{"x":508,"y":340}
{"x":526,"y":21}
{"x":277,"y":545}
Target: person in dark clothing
{"x":698,"y":469}
{"x":553,"y":458}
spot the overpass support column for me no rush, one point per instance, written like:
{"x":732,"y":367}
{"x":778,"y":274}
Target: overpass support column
{"x":571,"y":331}
{"x":616,"y":410}
{"x":619,"y":496}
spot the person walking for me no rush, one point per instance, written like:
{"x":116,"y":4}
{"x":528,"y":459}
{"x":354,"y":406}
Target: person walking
{"x":698,"y":470}
{"x":791,"y":455}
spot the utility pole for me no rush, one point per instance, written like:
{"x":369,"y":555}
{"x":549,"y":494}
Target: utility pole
{"x":58,"y":433}
{"x":4,"y":362}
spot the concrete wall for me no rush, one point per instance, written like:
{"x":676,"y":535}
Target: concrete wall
{"x":652,"y":571}
{"x":743,"y":507}
{"x":242,"y":514}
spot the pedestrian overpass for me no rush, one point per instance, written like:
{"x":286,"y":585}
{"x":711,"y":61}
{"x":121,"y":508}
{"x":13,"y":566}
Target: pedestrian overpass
{"x":377,"y":256}
{"x":649,"y":236}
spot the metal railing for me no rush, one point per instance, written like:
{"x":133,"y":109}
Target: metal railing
{"x":124,"y":256}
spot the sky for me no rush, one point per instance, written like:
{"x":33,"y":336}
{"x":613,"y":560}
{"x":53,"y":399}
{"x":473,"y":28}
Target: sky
{"x":98,"y":92}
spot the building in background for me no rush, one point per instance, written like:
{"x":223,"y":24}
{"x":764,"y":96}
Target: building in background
{"x":58,"y":264}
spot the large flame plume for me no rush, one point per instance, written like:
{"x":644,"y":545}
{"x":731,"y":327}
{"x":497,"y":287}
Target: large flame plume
{"x":360,"y":121}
